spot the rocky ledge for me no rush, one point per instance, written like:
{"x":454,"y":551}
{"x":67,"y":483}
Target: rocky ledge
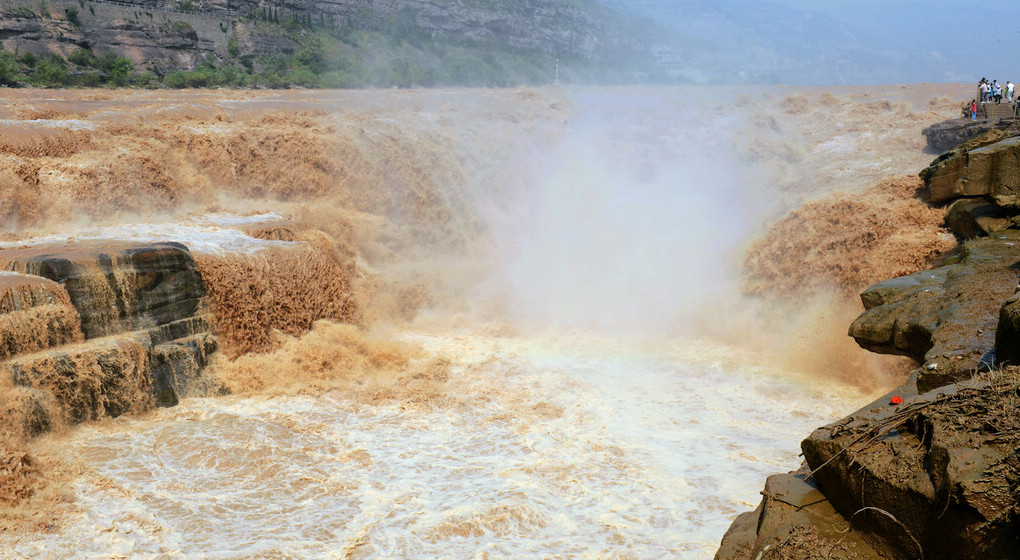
{"x":94,"y":331}
{"x":931,"y":470}
{"x":100,"y":329}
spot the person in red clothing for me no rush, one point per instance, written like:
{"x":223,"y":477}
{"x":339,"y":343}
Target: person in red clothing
{"x":973,"y":109}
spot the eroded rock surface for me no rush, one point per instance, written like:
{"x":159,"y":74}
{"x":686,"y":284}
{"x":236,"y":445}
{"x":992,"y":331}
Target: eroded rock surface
{"x":986,"y":166}
{"x":935,"y":476}
{"x":116,"y":328}
{"x":945,"y":317}
{"x":949,"y":134}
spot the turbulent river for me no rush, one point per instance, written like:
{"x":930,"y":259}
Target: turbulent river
{"x":555,"y":357}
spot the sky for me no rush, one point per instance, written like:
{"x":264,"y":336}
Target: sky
{"x":845,"y":42}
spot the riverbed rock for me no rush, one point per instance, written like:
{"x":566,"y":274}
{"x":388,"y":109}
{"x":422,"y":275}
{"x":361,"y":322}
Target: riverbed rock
{"x":933,"y":477}
{"x":793,"y":520}
{"x":976,"y":217}
{"x":946,"y":135}
{"x":987,"y":166}
{"x":117,"y":327}
{"x":119,"y":288}
{"x":91,"y":380}
{"x":946,"y":317}
{"x":35,"y":314}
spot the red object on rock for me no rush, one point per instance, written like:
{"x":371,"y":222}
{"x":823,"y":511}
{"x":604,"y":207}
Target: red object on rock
{"x":895,"y":400}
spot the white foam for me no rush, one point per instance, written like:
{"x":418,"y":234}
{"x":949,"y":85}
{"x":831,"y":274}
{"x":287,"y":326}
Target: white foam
{"x":70,"y":124}
{"x":651,"y":457}
{"x":210,"y":234}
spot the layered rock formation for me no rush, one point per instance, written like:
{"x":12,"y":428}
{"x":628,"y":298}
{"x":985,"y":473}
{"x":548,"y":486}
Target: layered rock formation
{"x":933,"y":472}
{"x":947,"y":135}
{"x":115,"y":328}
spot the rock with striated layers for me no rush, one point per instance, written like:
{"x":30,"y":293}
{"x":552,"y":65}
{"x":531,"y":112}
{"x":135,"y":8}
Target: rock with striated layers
{"x":988,"y":167}
{"x":947,"y":135}
{"x":120,"y":289}
{"x":785,"y":525}
{"x":88,"y":381}
{"x":976,"y":217}
{"x":35,"y":314}
{"x":176,"y":368}
{"x":945,"y":317}
{"x":117,"y":328}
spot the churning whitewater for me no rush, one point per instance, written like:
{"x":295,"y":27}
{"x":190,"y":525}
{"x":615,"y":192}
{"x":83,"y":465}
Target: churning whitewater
{"x":494,"y":323}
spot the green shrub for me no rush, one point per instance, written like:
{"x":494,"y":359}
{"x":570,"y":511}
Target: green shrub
{"x":233,"y":47}
{"x":145,"y":79}
{"x":89,"y":79}
{"x":29,"y":59}
{"x":120,"y":71}
{"x":72,"y":16}
{"x":83,"y":57}
{"x":9,"y":69}
{"x":49,"y":73}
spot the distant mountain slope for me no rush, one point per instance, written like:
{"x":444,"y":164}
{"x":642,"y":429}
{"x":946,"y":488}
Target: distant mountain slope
{"x":357,"y":42}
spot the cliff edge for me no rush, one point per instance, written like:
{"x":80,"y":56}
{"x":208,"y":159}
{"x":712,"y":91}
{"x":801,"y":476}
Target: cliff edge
{"x":932,"y":469}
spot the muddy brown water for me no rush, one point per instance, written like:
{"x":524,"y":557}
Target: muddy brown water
{"x":553,"y":355}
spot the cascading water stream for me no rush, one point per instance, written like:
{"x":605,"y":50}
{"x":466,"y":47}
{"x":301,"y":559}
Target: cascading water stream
{"x":552,"y":357}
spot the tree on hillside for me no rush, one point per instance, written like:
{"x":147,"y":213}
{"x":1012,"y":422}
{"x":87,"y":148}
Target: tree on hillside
{"x":8,"y":69}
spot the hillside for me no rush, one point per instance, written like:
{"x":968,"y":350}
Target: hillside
{"x":316,"y":43}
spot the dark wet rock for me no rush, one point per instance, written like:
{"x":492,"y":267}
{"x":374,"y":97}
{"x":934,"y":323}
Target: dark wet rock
{"x":91,"y":380}
{"x":945,"y":317}
{"x":121,"y":289}
{"x":946,"y":135}
{"x":35,"y":314}
{"x":934,"y":476}
{"x":176,"y":368}
{"x":975,"y":217}
{"x":147,"y":332}
{"x":1007,"y":332}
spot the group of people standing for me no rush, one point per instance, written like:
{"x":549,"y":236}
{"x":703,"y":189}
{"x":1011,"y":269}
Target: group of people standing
{"x":992,"y":92}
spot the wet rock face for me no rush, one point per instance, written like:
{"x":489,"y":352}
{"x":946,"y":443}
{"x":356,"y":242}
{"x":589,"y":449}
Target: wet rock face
{"x":117,"y":328}
{"x":937,"y":475}
{"x":1007,"y":332}
{"x":947,"y":135}
{"x":988,"y":166}
{"x":35,"y":314}
{"x":945,"y":317}
{"x":978,"y":217}
{"x":123,"y":290}
{"x":783,"y":525}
